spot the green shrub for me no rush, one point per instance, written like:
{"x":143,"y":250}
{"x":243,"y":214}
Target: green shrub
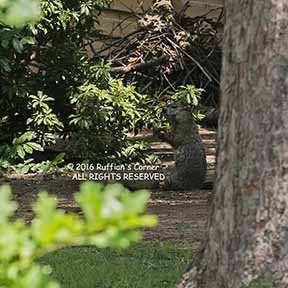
{"x":111,"y":216}
{"x":48,"y":85}
{"x":105,"y":112}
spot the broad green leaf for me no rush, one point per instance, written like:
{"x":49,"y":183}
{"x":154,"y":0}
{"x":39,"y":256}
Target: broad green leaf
{"x":45,"y":206}
{"x":59,"y":157}
{"x":28,"y":149}
{"x":90,"y":200}
{"x":27,"y":136}
{"x":5,"y":65}
{"x":20,"y":151}
{"x":17,"y":45}
{"x":52,"y":225}
{"x":35,"y":146}
{"x":135,"y":203}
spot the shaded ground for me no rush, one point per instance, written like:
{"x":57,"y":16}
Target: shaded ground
{"x":182,"y":216}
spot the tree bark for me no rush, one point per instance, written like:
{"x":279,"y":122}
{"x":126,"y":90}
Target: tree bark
{"x":247,"y":233}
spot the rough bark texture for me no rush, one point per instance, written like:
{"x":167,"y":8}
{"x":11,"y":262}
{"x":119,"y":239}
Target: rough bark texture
{"x":247,"y":229}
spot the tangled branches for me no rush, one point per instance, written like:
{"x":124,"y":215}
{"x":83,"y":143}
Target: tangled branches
{"x":168,"y":51}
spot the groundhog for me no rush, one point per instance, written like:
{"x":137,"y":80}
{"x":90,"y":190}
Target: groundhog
{"x":191,"y":166}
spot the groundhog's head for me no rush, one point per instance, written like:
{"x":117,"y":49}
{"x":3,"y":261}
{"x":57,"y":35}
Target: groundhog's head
{"x":178,"y":114}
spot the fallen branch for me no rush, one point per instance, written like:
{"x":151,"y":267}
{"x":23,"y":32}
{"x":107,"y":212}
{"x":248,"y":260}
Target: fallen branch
{"x":140,"y":66}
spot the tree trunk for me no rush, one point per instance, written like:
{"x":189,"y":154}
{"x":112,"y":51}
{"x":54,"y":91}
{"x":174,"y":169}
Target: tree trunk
{"x":247,"y":233}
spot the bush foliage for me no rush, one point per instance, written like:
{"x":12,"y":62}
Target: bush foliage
{"x":111,"y":216}
{"x":49,"y":88}
{"x":48,"y":85}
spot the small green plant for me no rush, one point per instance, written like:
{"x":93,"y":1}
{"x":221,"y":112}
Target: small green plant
{"x":44,"y":167}
{"x":24,"y":145}
{"x":111,"y":216}
{"x":13,"y":158}
{"x":45,"y":59}
{"x":188,"y":95}
{"x":21,"y":146}
{"x":42,"y":119}
{"x":137,"y":152}
{"x":105,"y":112}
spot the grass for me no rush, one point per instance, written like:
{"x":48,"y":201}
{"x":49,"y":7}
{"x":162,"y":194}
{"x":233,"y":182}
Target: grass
{"x":141,"y":266}
{"x":260,"y":283}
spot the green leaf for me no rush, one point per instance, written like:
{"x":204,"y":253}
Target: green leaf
{"x":45,"y":206}
{"x":28,"y":148}
{"x":28,"y":40}
{"x":195,"y":101}
{"x":4,"y":43}
{"x":20,"y":151}
{"x":39,"y":121}
{"x":35,"y":146}
{"x":135,"y":203}
{"x":5,"y":65}
{"x":90,"y":200}
{"x":27,"y":136}
{"x":23,"y":169}
{"x":51,"y":225}
{"x":17,"y":45}
{"x":59,"y":157}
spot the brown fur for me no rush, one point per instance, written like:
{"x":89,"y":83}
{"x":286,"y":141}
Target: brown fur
{"x":191,"y":165}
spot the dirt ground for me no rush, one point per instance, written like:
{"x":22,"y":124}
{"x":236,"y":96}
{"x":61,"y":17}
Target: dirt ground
{"x":182,"y":215}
